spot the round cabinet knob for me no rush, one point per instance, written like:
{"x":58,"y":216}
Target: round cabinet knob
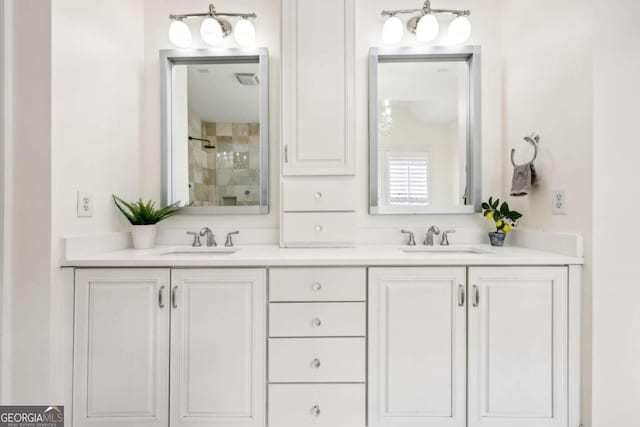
{"x":316,"y":286}
{"x":316,"y":322}
{"x":315,"y":410}
{"x":319,"y":228}
{"x":315,"y":363}
{"x":318,"y":195}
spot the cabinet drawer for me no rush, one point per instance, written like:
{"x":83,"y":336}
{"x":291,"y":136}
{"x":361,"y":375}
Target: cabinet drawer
{"x":313,"y":195}
{"x":317,"y":284}
{"x":321,"y":319}
{"x":322,"y":360}
{"x":317,"y":405}
{"x":335,"y":229}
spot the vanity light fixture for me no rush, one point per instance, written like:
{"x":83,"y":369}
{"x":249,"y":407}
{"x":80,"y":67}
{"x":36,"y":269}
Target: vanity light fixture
{"x":425,"y":25}
{"x":213,"y":29}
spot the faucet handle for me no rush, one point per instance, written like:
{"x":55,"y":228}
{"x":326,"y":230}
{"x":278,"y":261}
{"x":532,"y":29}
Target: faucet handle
{"x":445,"y":237}
{"x":229,"y":242}
{"x":412,"y":240}
{"x":196,"y":239}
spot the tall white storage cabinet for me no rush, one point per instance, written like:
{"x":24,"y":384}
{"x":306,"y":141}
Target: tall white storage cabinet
{"x":121,"y":348}
{"x":318,"y":123}
{"x":518,"y":343}
{"x":218,"y":329}
{"x":417,"y":347}
{"x":318,"y":91}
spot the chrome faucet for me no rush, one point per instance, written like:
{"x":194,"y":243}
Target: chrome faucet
{"x":428,"y":238}
{"x":412,"y":240}
{"x":229,"y":242}
{"x":445,"y":237}
{"x":211,"y":238}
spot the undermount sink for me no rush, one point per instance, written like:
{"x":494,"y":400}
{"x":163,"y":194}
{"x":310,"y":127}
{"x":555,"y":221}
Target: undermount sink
{"x":449,"y":250}
{"x":201,"y":251}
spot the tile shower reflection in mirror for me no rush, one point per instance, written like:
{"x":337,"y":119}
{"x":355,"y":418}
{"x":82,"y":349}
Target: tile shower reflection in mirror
{"x":217,"y":111}
{"x":223,"y":139}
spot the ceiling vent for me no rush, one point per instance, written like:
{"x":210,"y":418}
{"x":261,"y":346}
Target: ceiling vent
{"x":248,"y":79}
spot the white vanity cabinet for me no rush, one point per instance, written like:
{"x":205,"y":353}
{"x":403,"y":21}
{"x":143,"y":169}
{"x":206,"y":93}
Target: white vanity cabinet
{"x":327,"y":346}
{"x":200,"y":330}
{"x":515,"y":322}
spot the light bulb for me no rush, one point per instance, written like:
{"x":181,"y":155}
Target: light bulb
{"x":393,"y":30}
{"x":459,"y":30}
{"x":244,"y":33}
{"x":180,"y":34}
{"x":211,"y":32}
{"x":427,"y":29}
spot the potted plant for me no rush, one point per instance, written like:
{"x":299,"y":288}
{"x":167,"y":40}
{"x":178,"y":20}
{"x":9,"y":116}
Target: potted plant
{"x":143,"y":218}
{"x":503,"y":218}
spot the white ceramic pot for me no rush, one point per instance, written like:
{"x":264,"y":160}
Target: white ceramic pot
{"x":144,"y":236}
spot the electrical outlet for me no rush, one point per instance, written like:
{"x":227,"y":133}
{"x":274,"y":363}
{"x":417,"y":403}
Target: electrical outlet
{"x":559,"y":202}
{"x":85,"y":205}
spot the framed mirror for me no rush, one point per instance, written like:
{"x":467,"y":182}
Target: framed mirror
{"x":215,"y":107}
{"x":424,"y":130}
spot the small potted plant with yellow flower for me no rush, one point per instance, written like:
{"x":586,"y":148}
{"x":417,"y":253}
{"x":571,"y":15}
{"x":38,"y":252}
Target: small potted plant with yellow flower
{"x":503,"y":218}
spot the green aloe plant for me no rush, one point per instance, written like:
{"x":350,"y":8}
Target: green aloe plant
{"x":141,"y":213}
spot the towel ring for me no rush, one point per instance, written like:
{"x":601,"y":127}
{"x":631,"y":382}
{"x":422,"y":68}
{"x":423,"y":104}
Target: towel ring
{"x":534,"y":139}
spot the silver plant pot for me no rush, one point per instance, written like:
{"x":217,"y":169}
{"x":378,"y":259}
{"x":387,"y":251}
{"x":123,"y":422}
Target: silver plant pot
{"x":497,"y":239}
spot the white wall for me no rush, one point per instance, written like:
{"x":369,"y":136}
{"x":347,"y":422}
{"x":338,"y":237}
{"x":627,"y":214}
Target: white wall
{"x":97,"y":51}
{"x":28,"y":201}
{"x":547,"y":88}
{"x":616,"y":290}
{"x":4,"y":294}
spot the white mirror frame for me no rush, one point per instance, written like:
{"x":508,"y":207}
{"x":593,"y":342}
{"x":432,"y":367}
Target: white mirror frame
{"x":470,"y":54}
{"x":170,"y":58}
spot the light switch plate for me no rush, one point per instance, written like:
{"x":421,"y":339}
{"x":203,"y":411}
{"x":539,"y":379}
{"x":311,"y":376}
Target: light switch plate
{"x":85,"y":205}
{"x":559,"y":202}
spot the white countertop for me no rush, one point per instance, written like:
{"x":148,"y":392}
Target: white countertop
{"x":272,"y":255}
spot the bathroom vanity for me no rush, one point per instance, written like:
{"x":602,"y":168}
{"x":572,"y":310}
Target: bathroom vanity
{"x":374,"y":335}
{"x":337,"y":334}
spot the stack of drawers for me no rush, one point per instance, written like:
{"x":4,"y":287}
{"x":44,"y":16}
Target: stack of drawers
{"x":317,"y":347}
{"x":318,"y":212}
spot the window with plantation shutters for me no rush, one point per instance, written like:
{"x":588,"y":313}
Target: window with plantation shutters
{"x":408,"y":178}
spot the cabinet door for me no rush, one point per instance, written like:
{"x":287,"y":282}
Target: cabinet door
{"x":318,"y":105}
{"x":121,"y":365}
{"x":417,"y":347}
{"x":518,"y":347}
{"x":218,"y":342}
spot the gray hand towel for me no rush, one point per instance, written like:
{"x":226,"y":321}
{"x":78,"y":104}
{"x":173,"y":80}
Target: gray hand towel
{"x":524,"y":178}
